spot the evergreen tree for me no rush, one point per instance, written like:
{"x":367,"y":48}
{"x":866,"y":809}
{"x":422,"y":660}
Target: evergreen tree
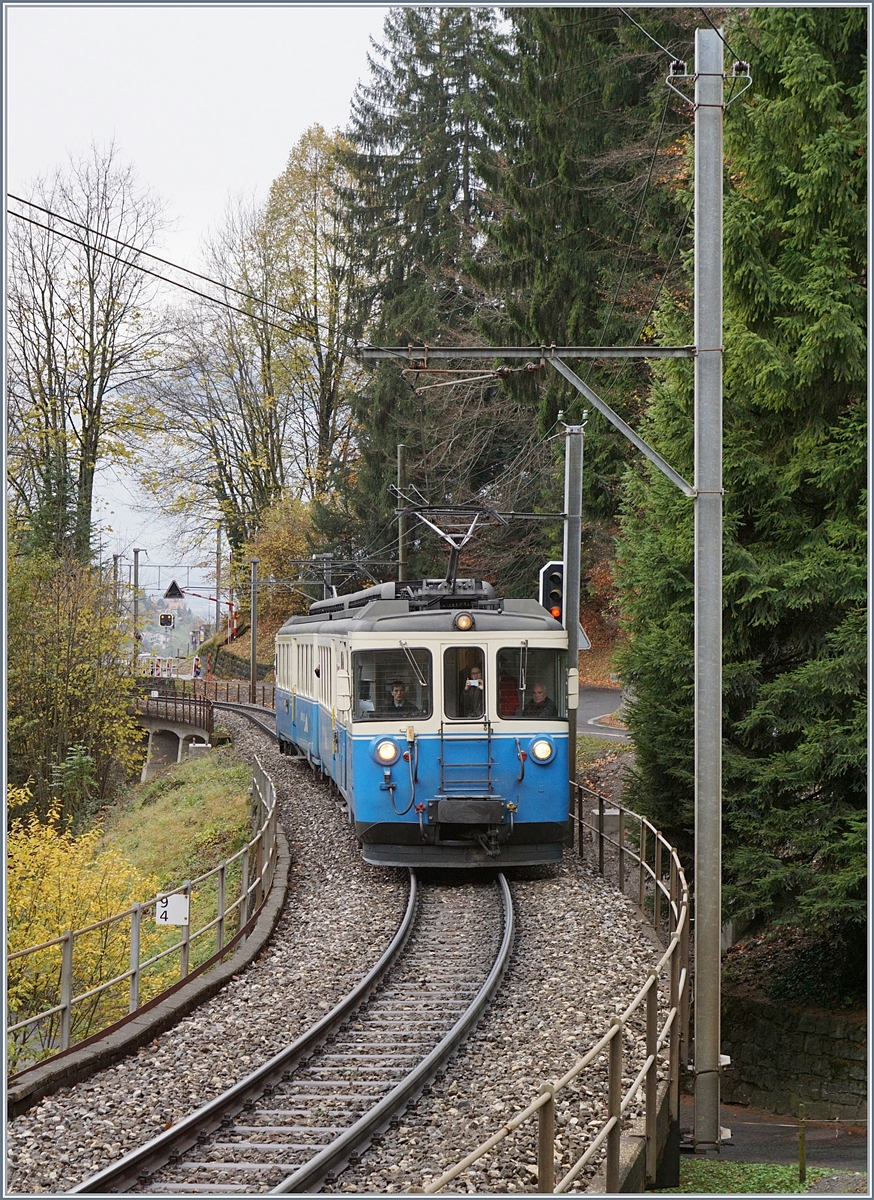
{"x":794,"y":560}
{"x":585,"y":227}
{"x":417,"y":131}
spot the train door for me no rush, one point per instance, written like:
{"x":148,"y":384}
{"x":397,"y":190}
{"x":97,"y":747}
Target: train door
{"x":341,"y":718}
{"x":466,"y":763}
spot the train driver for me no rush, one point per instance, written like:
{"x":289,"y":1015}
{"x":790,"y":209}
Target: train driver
{"x":399,"y":704}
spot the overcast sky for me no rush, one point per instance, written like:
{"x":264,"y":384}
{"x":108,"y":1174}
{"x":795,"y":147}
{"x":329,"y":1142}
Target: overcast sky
{"x":205,"y":100}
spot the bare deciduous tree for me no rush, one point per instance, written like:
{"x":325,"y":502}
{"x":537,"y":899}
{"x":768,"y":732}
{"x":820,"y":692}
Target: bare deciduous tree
{"x":84,"y":336}
{"x":257,"y":406}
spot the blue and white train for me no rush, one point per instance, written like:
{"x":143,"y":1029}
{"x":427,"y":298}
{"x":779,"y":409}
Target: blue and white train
{"x":440,"y":712}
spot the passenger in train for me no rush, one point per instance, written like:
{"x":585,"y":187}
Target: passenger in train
{"x":472,"y":699}
{"x":540,"y":704}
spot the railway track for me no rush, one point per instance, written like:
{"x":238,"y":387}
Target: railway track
{"x":302,"y":1116}
{"x":264,"y":718}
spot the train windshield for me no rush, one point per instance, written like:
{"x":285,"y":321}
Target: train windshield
{"x":391,"y":683}
{"x":532,"y":683}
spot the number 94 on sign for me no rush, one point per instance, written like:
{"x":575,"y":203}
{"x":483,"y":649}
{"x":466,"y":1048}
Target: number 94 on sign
{"x":172,"y":910}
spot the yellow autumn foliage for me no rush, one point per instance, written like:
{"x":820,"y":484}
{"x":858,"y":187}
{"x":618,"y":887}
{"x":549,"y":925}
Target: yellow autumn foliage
{"x":57,"y":882}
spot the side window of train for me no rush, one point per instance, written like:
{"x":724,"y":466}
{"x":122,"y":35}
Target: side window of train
{"x":464,"y":683}
{"x":391,"y":683}
{"x":532,"y":683}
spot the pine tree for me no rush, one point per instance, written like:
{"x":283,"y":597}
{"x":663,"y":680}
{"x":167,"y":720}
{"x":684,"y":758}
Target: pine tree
{"x":416,"y":133}
{"x":794,"y":560}
{"x":585,"y":226}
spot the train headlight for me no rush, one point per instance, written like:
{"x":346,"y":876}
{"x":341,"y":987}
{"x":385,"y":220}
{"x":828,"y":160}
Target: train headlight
{"x":464,"y":621}
{"x":387,"y":753}
{"x":541,"y":750}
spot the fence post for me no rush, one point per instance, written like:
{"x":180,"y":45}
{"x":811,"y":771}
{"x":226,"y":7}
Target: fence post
{"x":66,"y":990}
{"x":186,"y":933}
{"x":244,"y":887}
{"x":601,"y":835}
{"x":259,"y":870}
{"x":685,"y":999}
{"x":622,"y":849}
{"x":641,"y":881}
{"x":136,"y":915}
{"x":674,"y":1044}
{"x":614,"y":1107}
{"x":657,"y":892}
{"x":652,"y":1080}
{"x":220,"y":907}
{"x":546,"y":1141}
{"x":580,"y":826}
{"x":802,"y":1144}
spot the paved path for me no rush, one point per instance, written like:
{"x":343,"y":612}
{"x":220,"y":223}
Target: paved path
{"x":762,"y":1137}
{"x":596,"y":702}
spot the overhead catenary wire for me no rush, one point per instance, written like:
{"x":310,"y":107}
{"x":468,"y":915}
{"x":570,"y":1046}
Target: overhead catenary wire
{"x":719,"y":34}
{"x":628,"y":17}
{"x":154,"y":274}
{"x":301,"y":320}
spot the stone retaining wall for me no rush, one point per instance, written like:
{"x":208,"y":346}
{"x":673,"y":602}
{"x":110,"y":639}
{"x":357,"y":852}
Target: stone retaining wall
{"x":783,"y":1056}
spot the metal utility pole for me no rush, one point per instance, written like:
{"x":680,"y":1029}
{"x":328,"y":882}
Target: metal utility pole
{"x":402,"y":516}
{"x":218,"y":576}
{"x":253,"y":655}
{"x":707,"y":496}
{"x":115,"y":559}
{"x":327,"y":561}
{"x":708,"y":581}
{"x":573,"y":507}
{"x":138,"y":550}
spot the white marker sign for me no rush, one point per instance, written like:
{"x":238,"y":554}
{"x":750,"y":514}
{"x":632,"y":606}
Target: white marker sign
{"x":172,"y":910}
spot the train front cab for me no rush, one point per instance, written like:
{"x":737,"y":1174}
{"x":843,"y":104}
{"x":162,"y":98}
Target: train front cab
{"x":471,"y":770}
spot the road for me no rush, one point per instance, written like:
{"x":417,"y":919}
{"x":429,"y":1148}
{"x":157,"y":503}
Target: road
{"x":596,"y":702}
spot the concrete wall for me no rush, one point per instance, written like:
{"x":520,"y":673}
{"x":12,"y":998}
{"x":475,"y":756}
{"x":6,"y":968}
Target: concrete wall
{"x":782,"y":1056}
{"x":632,"y":1153}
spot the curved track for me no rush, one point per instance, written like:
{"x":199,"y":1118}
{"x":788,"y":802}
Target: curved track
{"x":314,"y":1106}
{"x":255,"y":713}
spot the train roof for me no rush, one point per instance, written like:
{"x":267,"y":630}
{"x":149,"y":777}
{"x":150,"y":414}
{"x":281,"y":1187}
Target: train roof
{"x":429,"y":605}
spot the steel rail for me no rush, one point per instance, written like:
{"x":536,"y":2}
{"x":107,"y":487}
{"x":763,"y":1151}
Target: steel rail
{"x":251,"y":711}
{"x":335,"y":1156}
{"x":119,"y":1176}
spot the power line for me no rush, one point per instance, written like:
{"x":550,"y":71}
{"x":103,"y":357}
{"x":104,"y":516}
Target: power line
{"x":147,"y":254}
{"x":718,"y":33}
{"x":316,"y":325}
{"x":154,"y":274}
{"x":260,"y":300}
{"x":647,"y":35}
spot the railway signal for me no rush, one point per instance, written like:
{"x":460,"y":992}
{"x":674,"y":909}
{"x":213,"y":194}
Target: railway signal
{"x":166,"y":620}
{"x":552,"y":589}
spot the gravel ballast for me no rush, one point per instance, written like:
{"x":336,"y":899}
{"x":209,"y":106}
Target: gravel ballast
{"x":581,"y":954}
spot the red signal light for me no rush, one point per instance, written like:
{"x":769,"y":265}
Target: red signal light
{"x":555,"y":612}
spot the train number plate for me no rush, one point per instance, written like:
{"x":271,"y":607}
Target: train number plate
{"x":460,"y":811}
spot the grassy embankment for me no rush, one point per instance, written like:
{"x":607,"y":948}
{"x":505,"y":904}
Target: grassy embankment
{"x":181,"y":824}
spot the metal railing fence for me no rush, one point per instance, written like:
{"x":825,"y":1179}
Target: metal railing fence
{"x":186,"y":710}
{"x":662,"y":893}
{"x":229,"y":895}
{"x":231,"y":691}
